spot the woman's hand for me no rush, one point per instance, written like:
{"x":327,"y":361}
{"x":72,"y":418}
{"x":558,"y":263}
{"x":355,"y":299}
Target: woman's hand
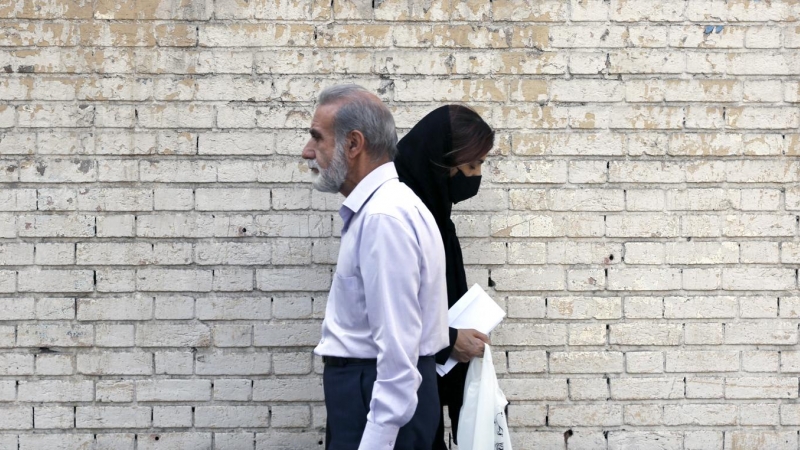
{"x":469,"y":344}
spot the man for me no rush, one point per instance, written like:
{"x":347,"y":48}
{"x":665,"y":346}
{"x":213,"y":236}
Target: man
{"x":387,"y":310}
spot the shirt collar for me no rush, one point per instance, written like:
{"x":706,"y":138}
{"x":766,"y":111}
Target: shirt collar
{"x":364,"y":190}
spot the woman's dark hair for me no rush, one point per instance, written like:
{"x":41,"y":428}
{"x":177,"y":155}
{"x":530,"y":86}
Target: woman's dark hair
{"x":472,"y":137}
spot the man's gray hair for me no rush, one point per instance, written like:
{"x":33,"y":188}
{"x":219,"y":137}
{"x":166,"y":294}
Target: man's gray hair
{"x":358,"y":112}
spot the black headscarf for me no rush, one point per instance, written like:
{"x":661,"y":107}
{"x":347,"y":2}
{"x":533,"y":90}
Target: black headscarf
{"x":420,"y":165}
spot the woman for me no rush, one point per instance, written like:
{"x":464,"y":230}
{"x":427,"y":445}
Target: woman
{"x":440,"y":160}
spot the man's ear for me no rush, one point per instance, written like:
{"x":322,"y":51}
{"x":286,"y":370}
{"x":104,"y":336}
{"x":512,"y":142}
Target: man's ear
{"x":355,"y":143}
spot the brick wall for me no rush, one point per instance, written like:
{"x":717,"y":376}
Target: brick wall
{"x":165,"y":261}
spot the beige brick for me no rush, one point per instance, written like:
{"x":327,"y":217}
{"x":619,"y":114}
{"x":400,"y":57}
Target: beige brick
{"x":762,"y":91}
{"x":530,"y":63}
{"x":707,"y":36}
{"x":586,"y":362}
{"x":760,"y":332}
{"x":568,"y":144}
{"x":700,"y":307}
{"x":646,"y":117}
{"x":703,"y":90}
{"x":644,"y":200}
{"x":702,"y":279}
{"x":758,"y":413}
{"x":702,"y":361}
{"x":745,"y":440}
{"x":470,"y":36}
{"x":521,"y":10}
{"x":527,"y":362}
{"x":524,"y":116}
{"x":767,"y":279}
{"x":588,"y":36}
{"x":646,"y":334}
{"x":699,"y":414}
{"x":589,"y":172}
{"x":764,"y":118}
{"x":644,"y":307}
{"x":757,"y":171}
{"x":704,"y":144}
{"x":648,"y":36}
{"x":534,"y":389}
{"x":527,"y":171}
{"x":526,"y":307}
{"x":758,"y":63}
{"x":176,"y":35}
{"x":253,"y":35}
{"x":650,"y":90}
{"x":761,"y":387}
{"x":43,"y":335}
{"x":759,"y":225}
{"x":696,"y":252}
{"x":583,"y":253}
{"x":450,"y":90}
{"x":588,"y":63}
{"x":646,"y":61}
{"x":593,"y":334}
{"x":521,"y":279}
{"x":699,"y":200}
{"x":760,"y":361}
{"x":705,"y":117}
{"x":535,"y":334}
{"x":642,"y":10}
{"x":704,"y":333}
{"x":758,"y":307}
{"x":644,"y":362}
{"x":629,"y":388}
{"x":641,"y":225}
{"x":353,"y":36}
{"x":705,"y":387}
{"x":582,"y":90}
{"x":584,"y":308}
{"x":645,"y":439}
{"x":640,"y":415}
{"x":759,"y":199}
{"x":763,"y":37}
{"x":590,"y":415}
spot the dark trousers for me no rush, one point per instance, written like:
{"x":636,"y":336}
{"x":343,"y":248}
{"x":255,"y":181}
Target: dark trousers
{"x":348,"y":392}
{"x":451,"y":393}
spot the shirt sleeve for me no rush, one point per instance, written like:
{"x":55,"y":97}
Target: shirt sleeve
{"x":390,"y":259}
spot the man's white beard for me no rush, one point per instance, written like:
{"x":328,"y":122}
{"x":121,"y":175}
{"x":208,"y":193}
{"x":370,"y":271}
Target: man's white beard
{"x":332,"y":178}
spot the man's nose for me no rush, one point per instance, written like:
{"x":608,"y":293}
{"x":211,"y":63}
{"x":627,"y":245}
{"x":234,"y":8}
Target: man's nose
{"x":308,"y":153}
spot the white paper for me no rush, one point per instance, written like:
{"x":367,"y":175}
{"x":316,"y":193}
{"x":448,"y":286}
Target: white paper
{"x":475,"y":310}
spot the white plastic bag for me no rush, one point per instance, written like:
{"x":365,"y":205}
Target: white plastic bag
{"x":482,"y":420}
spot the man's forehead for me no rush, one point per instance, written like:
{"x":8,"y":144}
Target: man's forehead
{"x":325,"y":112}
{"x":323,"y":117}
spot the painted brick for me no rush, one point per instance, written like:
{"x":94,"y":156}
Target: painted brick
{"x":640,"y":194}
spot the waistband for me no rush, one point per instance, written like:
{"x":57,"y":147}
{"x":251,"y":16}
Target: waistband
{"x":337,"y":361}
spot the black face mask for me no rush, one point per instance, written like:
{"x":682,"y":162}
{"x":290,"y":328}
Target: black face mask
{"x":463,"y":187}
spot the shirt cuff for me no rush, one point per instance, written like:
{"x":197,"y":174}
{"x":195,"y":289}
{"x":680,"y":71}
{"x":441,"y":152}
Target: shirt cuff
{"x":377,"y":437}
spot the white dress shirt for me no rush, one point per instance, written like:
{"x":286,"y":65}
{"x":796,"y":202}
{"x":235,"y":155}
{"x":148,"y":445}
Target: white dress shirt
{"x":388,"y":299}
